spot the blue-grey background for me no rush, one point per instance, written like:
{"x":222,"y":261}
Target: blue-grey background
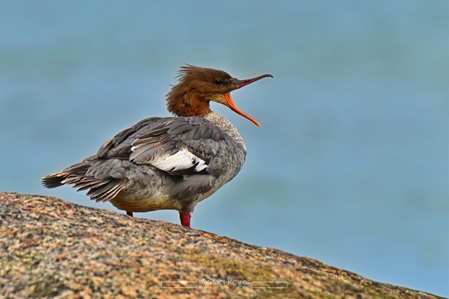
{"x":351,"y":164}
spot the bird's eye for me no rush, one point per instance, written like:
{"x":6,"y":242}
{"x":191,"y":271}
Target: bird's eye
{"x":218,"y":81}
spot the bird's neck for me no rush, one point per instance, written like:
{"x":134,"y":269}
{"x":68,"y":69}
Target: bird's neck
{"x":182,"y":102}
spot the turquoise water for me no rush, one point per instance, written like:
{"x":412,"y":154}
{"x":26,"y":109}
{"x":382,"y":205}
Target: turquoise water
{"x":351,"y":164}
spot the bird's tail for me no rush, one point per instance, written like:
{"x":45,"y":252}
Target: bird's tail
{"x":100,"y":189}
{"x":67,"y":176}
{"x":54,"y":180}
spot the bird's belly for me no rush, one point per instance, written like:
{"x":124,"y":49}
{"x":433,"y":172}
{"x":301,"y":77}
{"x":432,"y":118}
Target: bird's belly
{"x":144,"y":200}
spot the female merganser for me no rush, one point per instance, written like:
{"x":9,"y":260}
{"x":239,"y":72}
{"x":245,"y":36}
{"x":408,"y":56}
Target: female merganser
{"x":171,"y":162}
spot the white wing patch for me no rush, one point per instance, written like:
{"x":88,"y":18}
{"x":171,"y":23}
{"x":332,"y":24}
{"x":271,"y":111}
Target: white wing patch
{"x":182,"y":159}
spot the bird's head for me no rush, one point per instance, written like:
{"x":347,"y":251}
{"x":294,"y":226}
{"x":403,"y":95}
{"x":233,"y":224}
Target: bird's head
{"x":198,"y":86}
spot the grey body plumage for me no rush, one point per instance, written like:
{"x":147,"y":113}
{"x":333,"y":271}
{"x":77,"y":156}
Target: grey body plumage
{"x":124,"y":172}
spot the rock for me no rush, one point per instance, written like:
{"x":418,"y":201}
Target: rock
{"x":50,"y":248}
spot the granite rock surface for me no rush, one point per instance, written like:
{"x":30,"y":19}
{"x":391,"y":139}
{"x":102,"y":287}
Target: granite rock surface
{"x":50,"y":248}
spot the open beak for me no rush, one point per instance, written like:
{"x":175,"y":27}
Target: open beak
{"x":238,"y":84}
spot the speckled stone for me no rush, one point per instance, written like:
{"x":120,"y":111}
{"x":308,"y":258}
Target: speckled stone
{"x":50,"y":248}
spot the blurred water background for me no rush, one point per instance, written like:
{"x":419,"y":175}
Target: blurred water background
{"x":351,"y":164}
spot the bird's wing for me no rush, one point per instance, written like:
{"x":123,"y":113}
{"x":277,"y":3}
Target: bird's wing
{"x":177,"y":146}
{"x":118,"y":146}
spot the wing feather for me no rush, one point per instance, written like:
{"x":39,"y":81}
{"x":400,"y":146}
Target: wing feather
{"x":177,"y":146}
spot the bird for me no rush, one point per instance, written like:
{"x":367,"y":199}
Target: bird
{"x":168,"y":163}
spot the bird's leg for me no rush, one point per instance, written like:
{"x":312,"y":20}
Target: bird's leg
{"x":185,"y":219}
{"x":130,"y":214}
